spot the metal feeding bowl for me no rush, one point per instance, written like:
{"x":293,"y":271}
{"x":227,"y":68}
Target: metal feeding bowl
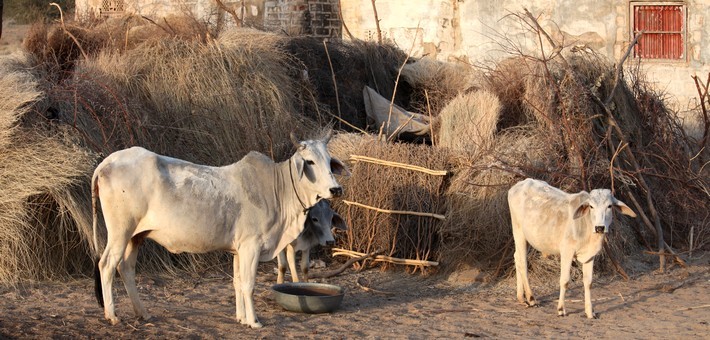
{"x":305,"y":297}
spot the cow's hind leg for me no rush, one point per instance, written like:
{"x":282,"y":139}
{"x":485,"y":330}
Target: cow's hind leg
{"x":521,"y":270}
{"x":127,"y":268}
{"x":112,"y":256}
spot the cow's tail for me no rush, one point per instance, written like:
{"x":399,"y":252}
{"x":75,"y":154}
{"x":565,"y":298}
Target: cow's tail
{"x":97,"y":273}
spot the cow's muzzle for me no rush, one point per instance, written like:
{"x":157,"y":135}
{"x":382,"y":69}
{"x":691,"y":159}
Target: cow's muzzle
{"x":329,"y":243}
{"x":336,"y":192}
{"x":599,"y":229}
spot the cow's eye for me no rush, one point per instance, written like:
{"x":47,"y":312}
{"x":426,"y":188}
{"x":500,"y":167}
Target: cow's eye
{"x":609,"y":207}
{"x":310,"y":162}
{"x":315,"y":220}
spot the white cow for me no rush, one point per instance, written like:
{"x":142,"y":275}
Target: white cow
{"x":317,"y":230}
{"x":252,"y":208}
{"x":557,"y":223}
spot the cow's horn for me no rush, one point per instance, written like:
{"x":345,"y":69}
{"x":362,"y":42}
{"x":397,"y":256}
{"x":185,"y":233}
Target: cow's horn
{"x":328,"y":136}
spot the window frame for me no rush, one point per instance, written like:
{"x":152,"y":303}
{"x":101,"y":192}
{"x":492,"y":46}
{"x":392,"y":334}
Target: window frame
{"x":684,"y":30}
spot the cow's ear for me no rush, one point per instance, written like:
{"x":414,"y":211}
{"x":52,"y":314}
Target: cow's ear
{"x":338,"y":222}
{"x":580,"y":203}
{"x":298,"y":161}
{"x":337,"y":167}
{"x":581,"y":211}
{"x":624,"y":208}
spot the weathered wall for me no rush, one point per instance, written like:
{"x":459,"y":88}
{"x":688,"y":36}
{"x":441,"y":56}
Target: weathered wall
{"x":253,"y":10}
{"x":473,"y":30}
{"x":304,"y":17}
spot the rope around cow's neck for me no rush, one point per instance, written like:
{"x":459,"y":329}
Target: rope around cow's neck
{"x":293,"y":183}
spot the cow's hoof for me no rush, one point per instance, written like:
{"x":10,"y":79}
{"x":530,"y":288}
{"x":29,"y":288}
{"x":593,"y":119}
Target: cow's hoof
{"x":113,"y":320}
{"x":146,"y":317}
{"x":561,"y":312}
{"x":256,"y":324}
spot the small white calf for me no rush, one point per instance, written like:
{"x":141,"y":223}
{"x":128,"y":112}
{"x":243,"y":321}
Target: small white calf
{"x":557,"y":223}
{"x":252,"y":208}
{"x":317,"y":230}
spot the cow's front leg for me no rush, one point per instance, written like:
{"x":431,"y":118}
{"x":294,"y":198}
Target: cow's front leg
{"x":248,"y":261}
{"x":587,"y":269}
{"x":566,"y":259}
{"x":291,"y":256}
{"x":239,"y":298}
{"x":281,"y":264}
{"x":305,"y":263}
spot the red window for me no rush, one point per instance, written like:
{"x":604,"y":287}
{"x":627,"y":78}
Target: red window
{"x":663,"y":28}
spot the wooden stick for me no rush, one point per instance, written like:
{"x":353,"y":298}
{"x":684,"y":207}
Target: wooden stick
{"x":398,"y":212}
{"x":331,"y":273}
{"x":383,"y":258}
{"x":364,"y":284}
{"x":372,"y":160}
{"x":690,"y":308}
{"x":332,"y":74}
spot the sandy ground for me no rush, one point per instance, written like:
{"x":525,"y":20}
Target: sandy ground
{"x":12,"y":36}
{"x":672,"y":305}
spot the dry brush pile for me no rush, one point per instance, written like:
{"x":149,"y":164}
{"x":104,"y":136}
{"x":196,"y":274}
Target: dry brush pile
{"x":182,"y":89}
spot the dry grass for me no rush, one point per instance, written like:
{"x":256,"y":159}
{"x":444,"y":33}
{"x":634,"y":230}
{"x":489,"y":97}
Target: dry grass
{"x":40,"y":166}
{"x":469,"y":121}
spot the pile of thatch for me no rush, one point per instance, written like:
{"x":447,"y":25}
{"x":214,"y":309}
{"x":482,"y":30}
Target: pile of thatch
{"x":389,"y":187}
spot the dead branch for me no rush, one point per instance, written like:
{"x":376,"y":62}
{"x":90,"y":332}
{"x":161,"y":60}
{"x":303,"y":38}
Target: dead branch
{"x":332,"y":73}
{"x":396,"y":212}
{"x":398,"y":165}
{"x":346,"y":265}
{"x":231,"y":12}
{"x":619,"y":69}
{"x":614,"y":262}
{"x":704,"y":97}
{"x":342,"y":21}
{"x":377,"y":23}
{"x":64,"y":28}
{"x":365,"y":285}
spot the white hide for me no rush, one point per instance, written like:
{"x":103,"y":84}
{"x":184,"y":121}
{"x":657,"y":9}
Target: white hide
{"x":252,"y":208}
{"x":557,"y":223}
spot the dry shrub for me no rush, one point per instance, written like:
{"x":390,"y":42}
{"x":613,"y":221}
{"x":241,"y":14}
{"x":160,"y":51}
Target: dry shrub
{"x":469,"y":121}
{"x":404,"y":236}
{"x":436,"y":83}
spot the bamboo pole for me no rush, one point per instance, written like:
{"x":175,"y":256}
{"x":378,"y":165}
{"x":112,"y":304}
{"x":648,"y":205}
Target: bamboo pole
{"x":384,"y":258}
{"x":397,"y":212}
{"x":372,"y":160}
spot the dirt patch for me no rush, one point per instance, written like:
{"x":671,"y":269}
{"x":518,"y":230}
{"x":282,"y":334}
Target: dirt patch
{"x":674,"y":304}
{"x":12,"y":36}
